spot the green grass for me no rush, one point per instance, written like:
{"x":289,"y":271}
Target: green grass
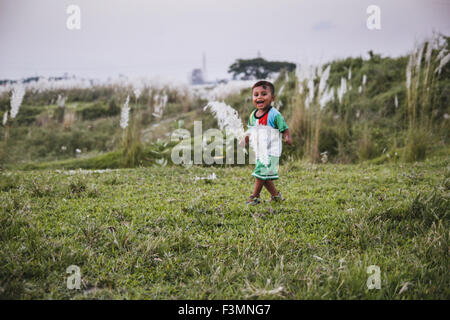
{"x":157,"y":233}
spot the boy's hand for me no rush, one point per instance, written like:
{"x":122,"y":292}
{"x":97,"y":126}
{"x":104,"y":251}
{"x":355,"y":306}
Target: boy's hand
{"x":287,"y":137}
{"x":288,"y":140}
{"x":244,"y":141}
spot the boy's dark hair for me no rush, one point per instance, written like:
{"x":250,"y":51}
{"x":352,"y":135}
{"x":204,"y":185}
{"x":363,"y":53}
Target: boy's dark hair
{"x":264,"y":84}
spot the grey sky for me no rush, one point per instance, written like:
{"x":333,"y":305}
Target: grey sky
{"x":168,"y":37}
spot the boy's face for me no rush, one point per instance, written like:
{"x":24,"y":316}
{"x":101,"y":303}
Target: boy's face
{"x":262,"y":97}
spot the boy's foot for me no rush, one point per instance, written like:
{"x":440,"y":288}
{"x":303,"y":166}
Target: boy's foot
{"x":277,"y":198}
{"x":253,"y":200}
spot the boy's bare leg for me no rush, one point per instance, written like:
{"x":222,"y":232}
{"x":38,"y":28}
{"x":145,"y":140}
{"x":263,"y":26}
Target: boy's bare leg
{"x":258,"y":187}
{"x":270,"y":186}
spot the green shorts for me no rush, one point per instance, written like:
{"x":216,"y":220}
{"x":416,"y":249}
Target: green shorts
{"x":269,"y":172}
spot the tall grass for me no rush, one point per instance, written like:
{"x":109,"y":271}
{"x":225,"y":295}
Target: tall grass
{"x":311,"y":96}
{"x":132,"y":145}
{"x":17,"y":94}
{"x":425,"y":64}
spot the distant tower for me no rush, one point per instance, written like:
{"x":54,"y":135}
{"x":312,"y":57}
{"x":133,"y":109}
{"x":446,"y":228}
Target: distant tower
{"x":204,"y":67}
{"x":258,"y":54}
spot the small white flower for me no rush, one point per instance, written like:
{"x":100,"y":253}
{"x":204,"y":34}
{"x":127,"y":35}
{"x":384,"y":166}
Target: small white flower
{"x":324,"y":157}
{"x":317,"y":257}
{"x":227,"y":118}
{"x":18,"y":93}
{"x":161,"y":162}
{"x":77,"y":150}
{"x":342,"y":89}
{"x":125,"y":114}
{"x":61,"y":101}
{"x":5,"y":117}
{"x":137,"y":92}
{"x":443,"y":62}
{"x":212,"y":176}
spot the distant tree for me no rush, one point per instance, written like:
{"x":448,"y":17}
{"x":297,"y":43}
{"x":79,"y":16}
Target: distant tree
{"x":257,"y":68}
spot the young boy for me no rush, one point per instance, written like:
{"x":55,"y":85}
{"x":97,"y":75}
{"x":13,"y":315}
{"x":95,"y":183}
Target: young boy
{"x":266,"y":127}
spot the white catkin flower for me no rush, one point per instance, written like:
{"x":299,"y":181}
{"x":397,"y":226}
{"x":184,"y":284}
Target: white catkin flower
{"x":441,"y":53}
{"x":418,"y":63}
{"x":408,"y":72}
{"x":281,"y":90}
{"x":278,"y":104}
{"x":428,"y":53}
{"x":419,"y":58}
{"x":137,"y":92}
{"x":428,"y":59}
{"x":307,"y":102}
{"x":326,"y":97}
{"x":360,"y":89}
{"x":61,"y":101}
{"x":344,"y":85}
{"x":125,"y":114}
{"x":311,"y":89}
{"x":350,"y":73}
{"x":160,"y":104}
{"x":227,"y":118}
{"x":364,"y":80}
{"x":18,"y":93}
{"x":444,"y":61}
{"x":319,"y":71}
{"x":342,"y":89}
{"x":396,"y":101}
{"x":5,"y":117}
{"x":324,"y":79}
{"x":298,"y":72}
{"x":324,"y":157}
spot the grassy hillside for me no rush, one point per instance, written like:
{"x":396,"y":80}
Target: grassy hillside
{"x":371,"y":119}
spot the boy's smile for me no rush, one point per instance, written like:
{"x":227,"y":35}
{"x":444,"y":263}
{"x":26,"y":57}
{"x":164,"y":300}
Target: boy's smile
{"x":262,"y":97}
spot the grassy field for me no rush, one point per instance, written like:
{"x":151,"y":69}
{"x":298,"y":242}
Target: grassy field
{"x":161,"y":233}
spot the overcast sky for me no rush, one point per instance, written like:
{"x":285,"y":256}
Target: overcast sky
{"x":168,"y":37}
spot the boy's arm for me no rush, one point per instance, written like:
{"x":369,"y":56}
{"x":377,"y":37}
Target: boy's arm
{"x":287,"y":137}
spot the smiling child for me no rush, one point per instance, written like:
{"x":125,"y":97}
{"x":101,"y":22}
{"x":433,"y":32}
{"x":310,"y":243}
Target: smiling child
{"x":266,"y":128}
